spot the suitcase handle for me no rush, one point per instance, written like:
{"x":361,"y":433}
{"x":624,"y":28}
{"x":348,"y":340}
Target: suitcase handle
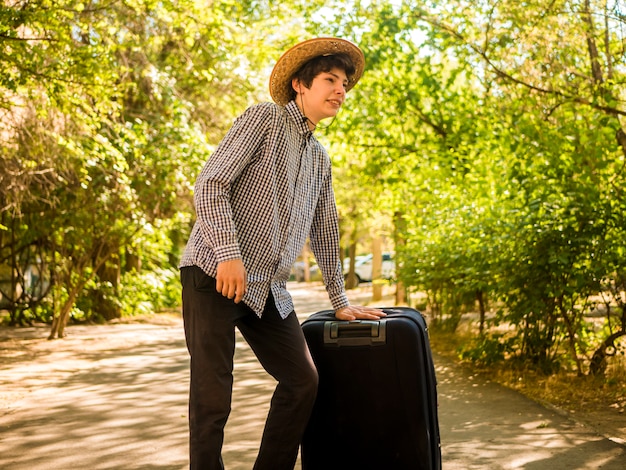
{"x":355,"y":333}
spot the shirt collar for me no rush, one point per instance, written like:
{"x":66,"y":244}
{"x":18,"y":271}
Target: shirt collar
{"x":299,"y":119}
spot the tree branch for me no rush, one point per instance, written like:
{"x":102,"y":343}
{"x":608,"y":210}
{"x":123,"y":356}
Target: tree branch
{"x":25,"y":39}
{"x":507,"y":76}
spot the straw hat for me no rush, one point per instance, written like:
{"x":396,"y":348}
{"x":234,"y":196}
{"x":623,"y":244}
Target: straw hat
{"x":291,"y":61}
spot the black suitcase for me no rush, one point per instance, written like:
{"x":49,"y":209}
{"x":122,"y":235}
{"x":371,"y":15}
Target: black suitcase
{"x":376,"y":407}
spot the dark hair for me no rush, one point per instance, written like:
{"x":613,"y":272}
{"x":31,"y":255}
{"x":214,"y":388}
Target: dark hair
{"x":320,"y":64}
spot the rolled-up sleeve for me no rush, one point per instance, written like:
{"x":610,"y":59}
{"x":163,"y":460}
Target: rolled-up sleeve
{"x":212,"y":190}
{"x":324,"y":239}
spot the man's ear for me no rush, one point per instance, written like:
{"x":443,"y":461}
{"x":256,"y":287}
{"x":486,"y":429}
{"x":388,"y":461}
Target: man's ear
{"x":296,"y":85}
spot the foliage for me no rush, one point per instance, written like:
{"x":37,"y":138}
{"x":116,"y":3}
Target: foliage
{"x":496,"y":132}
{"x":485,"y":138}
{"x":149,"y":291}
{"x":109,"y":111}
{"x":487,"y":350}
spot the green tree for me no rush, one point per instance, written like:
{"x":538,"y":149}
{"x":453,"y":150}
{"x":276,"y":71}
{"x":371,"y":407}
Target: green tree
{"x":111,"y":111}
{"x":557,"y":71}
{"x":495,"y":128}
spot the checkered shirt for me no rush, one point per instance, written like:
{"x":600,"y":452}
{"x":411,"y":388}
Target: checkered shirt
{"x":263,"y":192}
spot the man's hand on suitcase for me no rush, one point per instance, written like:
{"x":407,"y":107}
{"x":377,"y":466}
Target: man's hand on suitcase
{"x":355,"y":312}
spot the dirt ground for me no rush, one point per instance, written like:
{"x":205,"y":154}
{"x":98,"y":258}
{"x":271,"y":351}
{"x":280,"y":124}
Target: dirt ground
{"x":114,"y":397}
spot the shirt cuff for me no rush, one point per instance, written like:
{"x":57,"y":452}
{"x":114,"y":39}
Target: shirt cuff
{"x":339,"y":301}
{"x":227,"y":252}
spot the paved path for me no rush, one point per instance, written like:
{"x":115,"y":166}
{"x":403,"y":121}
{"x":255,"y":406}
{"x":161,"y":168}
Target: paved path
{"x":121,"y":405}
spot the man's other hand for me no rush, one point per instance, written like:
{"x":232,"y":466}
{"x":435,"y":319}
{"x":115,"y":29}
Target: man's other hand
{"x":231,"y":279}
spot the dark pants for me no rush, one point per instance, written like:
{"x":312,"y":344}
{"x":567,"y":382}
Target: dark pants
{"x":210,"y":321}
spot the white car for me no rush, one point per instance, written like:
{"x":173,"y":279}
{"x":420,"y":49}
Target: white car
{"x":297,"y":272}
{"x":363,"y":267}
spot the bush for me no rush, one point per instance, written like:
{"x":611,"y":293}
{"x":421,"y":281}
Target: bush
{"x":150,"y":291}
{"x":487,"y":350}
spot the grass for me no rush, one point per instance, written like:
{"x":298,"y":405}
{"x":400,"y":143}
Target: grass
{"x":563,"y":389}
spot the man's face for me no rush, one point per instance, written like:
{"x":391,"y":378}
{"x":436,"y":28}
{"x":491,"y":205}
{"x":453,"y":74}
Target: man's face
{"x":325,"y":96}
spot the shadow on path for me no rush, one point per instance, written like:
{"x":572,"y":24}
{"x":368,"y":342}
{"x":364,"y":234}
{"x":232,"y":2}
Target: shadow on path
{"x":115,"y":397}
{"x":487,"y":426}
{"x":103,"y":409}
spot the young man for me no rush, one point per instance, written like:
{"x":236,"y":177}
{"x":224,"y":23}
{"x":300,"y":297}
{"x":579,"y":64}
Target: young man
{"x":265,"y":190}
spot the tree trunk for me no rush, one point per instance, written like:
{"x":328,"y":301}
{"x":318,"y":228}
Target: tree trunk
{"x":597,"y":365}
{"x":351,"y":279}
{"x":110,"y":272}
{"x":377,"y":268}
{"x":307,"y":265}
{"x":481,"y":307}
{"x":78,"y":269}
{"x":399,"y":230}
{"x":572,"y":325}
{"x":59,"y":322}
{"x":132,"y":262}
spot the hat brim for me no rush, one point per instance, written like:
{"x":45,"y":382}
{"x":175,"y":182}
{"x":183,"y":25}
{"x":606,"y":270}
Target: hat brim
{"x":292,"y":60}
